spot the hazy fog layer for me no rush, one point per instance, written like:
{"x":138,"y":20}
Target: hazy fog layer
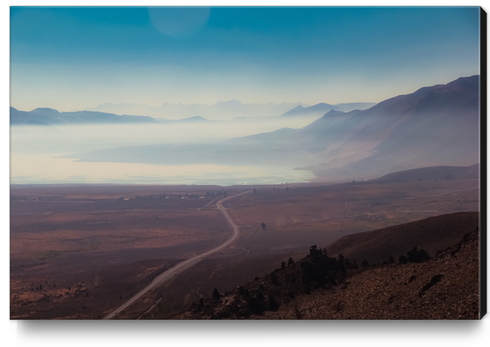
{"x":433,"y":126}
{"x":37,"y":153}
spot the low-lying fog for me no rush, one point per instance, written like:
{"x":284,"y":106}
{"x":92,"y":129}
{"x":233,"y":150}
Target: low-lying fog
{"x":37,"y":151}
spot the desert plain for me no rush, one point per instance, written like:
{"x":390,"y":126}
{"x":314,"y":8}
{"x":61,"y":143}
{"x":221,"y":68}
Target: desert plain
{"x":81,"y":251}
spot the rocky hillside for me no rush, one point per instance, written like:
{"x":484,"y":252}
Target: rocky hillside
{"x":412,"y":286}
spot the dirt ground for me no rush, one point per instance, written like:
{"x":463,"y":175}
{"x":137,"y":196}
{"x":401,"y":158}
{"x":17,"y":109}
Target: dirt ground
{"x":77,"y":252}
{"x":76,"y":255}
{"x":353,"y":207}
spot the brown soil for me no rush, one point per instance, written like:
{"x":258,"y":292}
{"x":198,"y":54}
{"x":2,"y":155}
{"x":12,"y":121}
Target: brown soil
{"x":444,"y":287}
{"x":73,"y":258}
{"x":113,"y":240}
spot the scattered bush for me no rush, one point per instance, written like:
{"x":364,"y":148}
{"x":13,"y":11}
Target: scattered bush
{"x":274,"y":279}
{"x":417,"y":255}
{"x":402,"y":260}
{"x":216,"y":294}
{"x":272,"y":303}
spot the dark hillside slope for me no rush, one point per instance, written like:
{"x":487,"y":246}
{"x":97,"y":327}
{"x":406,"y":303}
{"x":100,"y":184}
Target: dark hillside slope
{"x":445,"y":287}
{"x":320,"y":286}
{"x":431,"y":234}
{"x":432,"y":173}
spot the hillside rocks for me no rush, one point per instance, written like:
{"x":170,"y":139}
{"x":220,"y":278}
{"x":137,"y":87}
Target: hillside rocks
{"x":443,"y":287}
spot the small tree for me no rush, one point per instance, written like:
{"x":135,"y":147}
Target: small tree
{"x":314,"y":250}
{"x":290,"y":261}
{"x":364,"y":263}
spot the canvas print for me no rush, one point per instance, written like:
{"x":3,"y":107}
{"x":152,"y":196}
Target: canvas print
{"x":247,"y":163}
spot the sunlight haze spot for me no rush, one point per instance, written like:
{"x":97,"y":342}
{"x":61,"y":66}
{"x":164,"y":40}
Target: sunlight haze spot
{"x":179,"y":22}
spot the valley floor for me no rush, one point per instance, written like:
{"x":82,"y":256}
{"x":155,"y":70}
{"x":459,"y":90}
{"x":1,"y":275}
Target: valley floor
{"x":77,"y":252}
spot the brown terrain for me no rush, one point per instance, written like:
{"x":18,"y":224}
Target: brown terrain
{"x":78,"y":252}
{"x":443,"y":287}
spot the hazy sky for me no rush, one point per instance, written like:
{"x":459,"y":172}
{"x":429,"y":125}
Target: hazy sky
{"x":72,"y":58}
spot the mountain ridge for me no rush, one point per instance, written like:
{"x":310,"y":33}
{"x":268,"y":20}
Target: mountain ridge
{"x":323,"y":108}
{"x":49,"y":116}
{"x":434,"y":126}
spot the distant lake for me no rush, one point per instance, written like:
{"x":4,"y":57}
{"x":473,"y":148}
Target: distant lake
{"x":36,"y":155}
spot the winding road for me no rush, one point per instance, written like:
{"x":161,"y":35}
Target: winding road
{"x":180,"y":267}
{"x":348,"y":211}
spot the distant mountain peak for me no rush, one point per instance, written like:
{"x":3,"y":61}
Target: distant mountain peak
{"x":194,"y":119}
{"x":49,"y":116}
{"x":229,"y":103}
{"x":333,"y":112}
{"x":45,"y":110}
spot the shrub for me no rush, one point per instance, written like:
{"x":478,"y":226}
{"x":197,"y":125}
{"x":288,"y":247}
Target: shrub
{"x":417,"y":255}
{"x":402,"y":260}
{"x":216,"y":294}
{"x":272,"y":303}
{"x":274,"y":279}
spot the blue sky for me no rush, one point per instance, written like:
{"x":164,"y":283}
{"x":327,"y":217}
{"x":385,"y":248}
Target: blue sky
{"x":72,"y":58}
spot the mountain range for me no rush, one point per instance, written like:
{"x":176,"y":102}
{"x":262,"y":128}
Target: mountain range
{"x":49,"y":116}
{"x":171,"y":113}
{"x":434,"y":126}
{"x":227,"y":110}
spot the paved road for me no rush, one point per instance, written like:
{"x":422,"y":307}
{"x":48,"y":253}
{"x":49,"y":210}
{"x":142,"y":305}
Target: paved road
{"x":180,"y":267}
{"x":348,"y":210}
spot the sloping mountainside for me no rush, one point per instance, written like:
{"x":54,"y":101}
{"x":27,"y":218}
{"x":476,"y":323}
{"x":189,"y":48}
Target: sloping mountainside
{"x":436,"y":125}
{"x":49,"y":116}
{"x":433,"y":126}
{"x":444,"y":285}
